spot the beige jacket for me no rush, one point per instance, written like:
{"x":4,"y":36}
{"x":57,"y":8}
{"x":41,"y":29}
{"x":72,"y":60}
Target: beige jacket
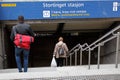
{"x":56,"y":48}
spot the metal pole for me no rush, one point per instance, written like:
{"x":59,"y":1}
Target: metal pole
{"x":81,"y":56}
{"x":66,"y":61}
{"x":75,"y":57}
{"x":70,"y":60}
{"x":89,"y":58}
{"x":98,"y":62}
{"x":117,"y":50}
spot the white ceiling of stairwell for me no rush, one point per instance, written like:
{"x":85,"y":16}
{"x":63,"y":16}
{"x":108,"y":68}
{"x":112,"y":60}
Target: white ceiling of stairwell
{"x":69,"y":26}
{"x":87,"y":25}
{"x":44,"y":27}
{"x":73,"y":26}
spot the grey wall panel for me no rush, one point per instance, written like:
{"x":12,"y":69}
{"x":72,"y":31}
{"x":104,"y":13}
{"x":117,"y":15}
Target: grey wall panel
{"x":108,"y":53}
{"x":1,"y":60}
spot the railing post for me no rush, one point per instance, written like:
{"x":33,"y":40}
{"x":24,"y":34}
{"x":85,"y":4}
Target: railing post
{"x":75,"y":57}
{"x":117,"y":49}
{"x":70,"y":60}
{"x":66,"y":61}
{"x":89,"y":58}
{"x":98,"y":62}
{"x":81,"y":56}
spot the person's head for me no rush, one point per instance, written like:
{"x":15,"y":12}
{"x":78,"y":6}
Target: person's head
{"x":60,"y":39}
{"x":21,"y":19}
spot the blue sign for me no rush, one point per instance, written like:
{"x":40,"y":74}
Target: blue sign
{"x":66,"y":9}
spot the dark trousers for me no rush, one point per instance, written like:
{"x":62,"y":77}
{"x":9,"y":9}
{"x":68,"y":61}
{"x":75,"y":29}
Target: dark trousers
{"x":59,"y":61}
{"x":18,"y":52}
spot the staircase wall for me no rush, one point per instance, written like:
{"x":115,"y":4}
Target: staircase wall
{"x":1,"y":60}
{"x":108,"y":52}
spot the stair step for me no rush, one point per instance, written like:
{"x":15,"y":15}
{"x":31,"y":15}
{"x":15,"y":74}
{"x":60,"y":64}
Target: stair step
{"x":106,"y":72}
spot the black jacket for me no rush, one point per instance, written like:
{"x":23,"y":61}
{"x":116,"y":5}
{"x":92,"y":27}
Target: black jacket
{"x":21,"y":28}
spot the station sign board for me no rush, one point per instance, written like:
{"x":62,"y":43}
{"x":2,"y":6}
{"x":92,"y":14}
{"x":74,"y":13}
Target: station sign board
{"x":60,"y":9}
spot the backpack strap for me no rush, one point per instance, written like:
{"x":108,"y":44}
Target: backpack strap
{"x":62,"y":45}
{"x":15,"y":30}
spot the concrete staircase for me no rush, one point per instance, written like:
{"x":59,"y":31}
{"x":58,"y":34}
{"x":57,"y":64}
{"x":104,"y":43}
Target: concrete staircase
{"x":106,"y":72}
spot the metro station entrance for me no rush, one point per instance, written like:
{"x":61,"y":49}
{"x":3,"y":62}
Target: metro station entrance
{"x":43,"y":47}
{"x":78,"y":21}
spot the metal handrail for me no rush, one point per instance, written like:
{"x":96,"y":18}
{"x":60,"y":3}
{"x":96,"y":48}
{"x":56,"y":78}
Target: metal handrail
{"x":98,"y":43}
{"x":101,"y":44}
{"x":74,"y":51}
{"x":107,"y":34}
{"x":79,"y":47}
{"x":74,"y":48}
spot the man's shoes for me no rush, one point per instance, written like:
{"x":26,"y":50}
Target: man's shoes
{"x":20,"y":71}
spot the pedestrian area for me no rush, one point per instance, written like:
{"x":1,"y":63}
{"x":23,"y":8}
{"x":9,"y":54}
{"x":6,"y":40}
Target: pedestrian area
{"x":106,"y":72}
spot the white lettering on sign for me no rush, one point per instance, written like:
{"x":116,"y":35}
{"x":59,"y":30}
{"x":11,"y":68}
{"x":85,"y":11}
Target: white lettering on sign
{"x":115,"y":6}
{"x":62,"y":5}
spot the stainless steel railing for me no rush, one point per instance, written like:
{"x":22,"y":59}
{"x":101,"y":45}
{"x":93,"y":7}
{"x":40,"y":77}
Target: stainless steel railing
{"x":103,"y":37}
{"x":74,"y":51}
{"x":78,"y":49}
{"x":99,"y":49}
